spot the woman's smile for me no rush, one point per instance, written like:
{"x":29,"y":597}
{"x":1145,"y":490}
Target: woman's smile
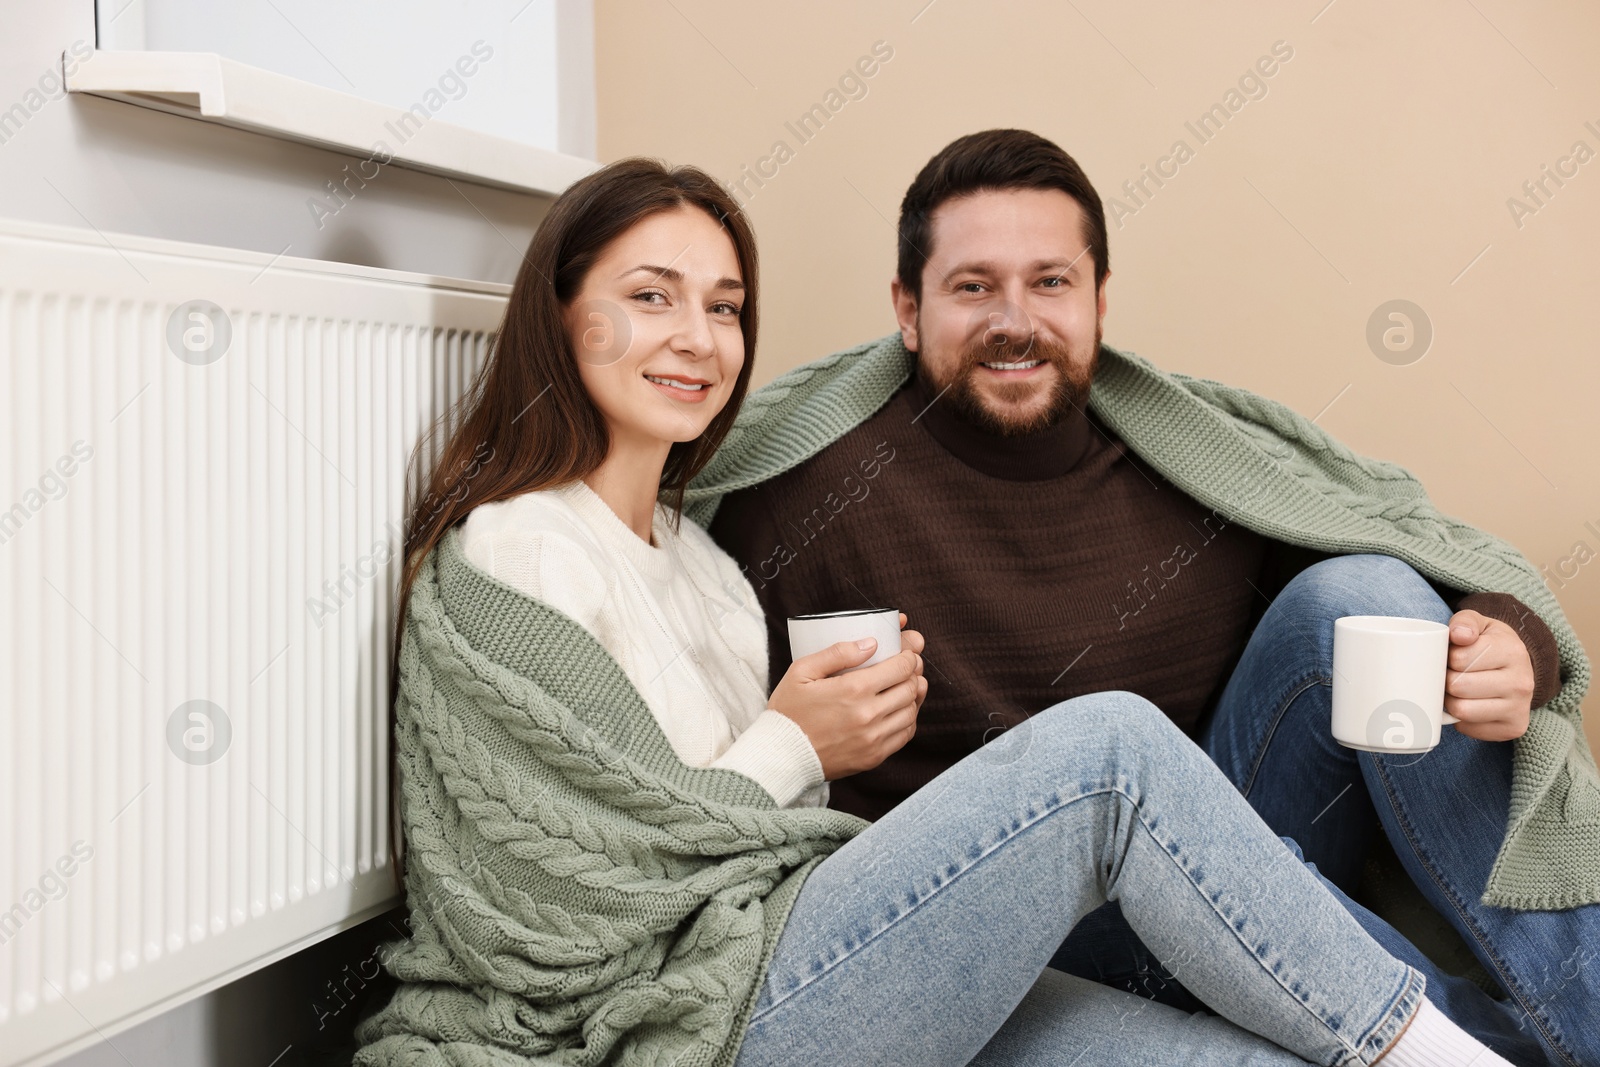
{"x":680,"y":387}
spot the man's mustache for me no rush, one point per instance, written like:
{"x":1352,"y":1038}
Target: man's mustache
{"x":1013,"y":351}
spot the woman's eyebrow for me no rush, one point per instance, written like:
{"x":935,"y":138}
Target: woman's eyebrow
{"x":673,"y":274}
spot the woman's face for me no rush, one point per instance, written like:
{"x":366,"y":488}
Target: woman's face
{"x":656,"y":328}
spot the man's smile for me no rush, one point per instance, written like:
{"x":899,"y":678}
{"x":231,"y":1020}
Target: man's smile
{"x":1017,"y":369}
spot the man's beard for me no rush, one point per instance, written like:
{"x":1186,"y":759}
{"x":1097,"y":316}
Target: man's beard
{"x":1069,"y":390}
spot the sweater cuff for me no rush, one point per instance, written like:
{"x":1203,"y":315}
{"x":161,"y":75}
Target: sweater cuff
{"x":777,"y":754}
{"x":1535,"y":634}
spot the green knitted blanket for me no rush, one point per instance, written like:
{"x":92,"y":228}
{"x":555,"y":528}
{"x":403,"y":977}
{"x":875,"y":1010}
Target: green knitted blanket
{"x":578,"y":894}
{"x":1258,"y":463}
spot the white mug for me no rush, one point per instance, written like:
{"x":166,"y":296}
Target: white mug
{"x":813,"y":633}
{"x":1388,"y":682}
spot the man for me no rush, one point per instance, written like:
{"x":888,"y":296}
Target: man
{"x":970,"y":471}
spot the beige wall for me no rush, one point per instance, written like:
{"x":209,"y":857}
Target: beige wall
{"x":1377,"y":166}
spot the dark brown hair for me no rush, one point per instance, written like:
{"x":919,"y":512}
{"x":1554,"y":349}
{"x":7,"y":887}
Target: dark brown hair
{"x":993,"y":159}
{"x":526,"y":422}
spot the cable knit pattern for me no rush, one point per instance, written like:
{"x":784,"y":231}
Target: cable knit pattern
{"x":677,"y":616}
{"x":1262,"y":464}
{"x":578,"y":894}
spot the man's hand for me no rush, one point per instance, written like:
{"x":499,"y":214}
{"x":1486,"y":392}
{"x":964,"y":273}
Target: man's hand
{"x":1489,"y":678}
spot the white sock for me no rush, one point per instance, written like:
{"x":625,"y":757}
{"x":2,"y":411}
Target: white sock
{"x":1432,"y":1040}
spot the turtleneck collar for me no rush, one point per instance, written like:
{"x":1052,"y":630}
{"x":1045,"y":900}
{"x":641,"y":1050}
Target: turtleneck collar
{"x":1047,"y":453}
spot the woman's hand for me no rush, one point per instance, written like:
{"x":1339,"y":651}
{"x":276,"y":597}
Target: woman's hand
{"x":857,"y":720}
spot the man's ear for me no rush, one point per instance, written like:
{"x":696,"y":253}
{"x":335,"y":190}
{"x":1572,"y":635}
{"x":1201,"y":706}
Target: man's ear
{"x":1100,"y":300}
{"x":905,"y":312}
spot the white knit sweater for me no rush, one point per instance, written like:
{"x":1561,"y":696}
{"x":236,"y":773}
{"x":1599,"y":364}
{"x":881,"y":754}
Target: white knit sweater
{"x":677,"y":615}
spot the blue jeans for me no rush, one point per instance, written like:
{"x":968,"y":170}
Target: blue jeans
{"x":1444,"y":814}
{"x":924,"y":940}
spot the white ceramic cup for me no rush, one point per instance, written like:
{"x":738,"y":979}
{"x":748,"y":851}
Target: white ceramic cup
{"x":1388,"y":682}
{"x":813,"y":633}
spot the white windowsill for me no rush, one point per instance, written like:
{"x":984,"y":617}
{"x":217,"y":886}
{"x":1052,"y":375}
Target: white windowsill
{"x":204,"y":85}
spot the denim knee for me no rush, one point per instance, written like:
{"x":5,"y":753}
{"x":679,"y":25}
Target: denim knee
{"x":1112,"y":706}
{"x":1127,"y":718}
{"x":1362,"y":583}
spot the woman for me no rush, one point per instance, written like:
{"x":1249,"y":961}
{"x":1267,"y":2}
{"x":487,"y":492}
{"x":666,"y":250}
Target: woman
{"x":617,"y":849}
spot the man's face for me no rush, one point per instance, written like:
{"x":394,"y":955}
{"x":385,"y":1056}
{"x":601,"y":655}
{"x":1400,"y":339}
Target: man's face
{"x":1009,"y":322}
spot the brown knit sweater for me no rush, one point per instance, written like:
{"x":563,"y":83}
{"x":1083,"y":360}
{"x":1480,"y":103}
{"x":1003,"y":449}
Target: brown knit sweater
{"x":1039,"y":568}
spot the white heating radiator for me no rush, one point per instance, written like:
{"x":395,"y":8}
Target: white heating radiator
{"x":202,"y":477}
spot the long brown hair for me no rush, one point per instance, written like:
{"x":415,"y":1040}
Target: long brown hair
{"x":526,"y":422}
